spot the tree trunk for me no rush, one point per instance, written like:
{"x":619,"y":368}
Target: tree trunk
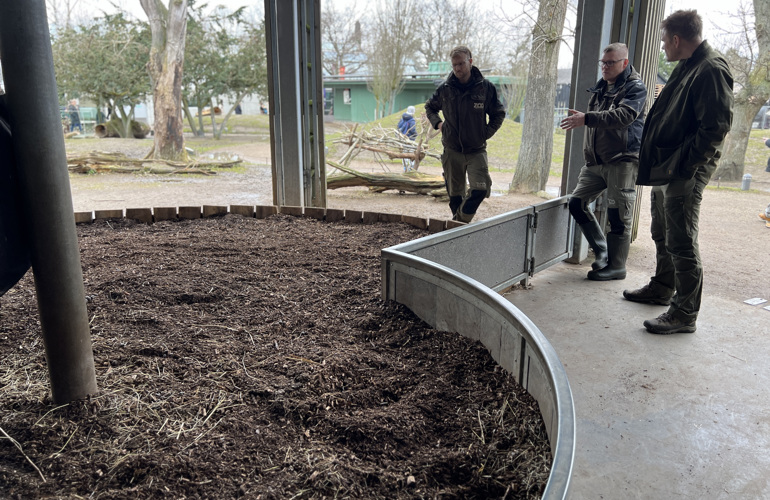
{"x":534,"y":162}
{"x":190,"y":119}
{"x":125,"y":120}
{"x":749,"y":100}
{"x":731,"y":165}
{"x":222,"y":126}
{"x":168,"y":28}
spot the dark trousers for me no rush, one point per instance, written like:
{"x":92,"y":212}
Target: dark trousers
{"x":675,"y":213}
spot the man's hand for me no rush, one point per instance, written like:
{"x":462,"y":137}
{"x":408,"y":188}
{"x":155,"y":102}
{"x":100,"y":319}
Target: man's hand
{"x":440,"y":125}
{"x":574,"y":119}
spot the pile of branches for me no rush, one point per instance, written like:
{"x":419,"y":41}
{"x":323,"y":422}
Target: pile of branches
{"x":393,"y":145}
{"x":100,"y":162}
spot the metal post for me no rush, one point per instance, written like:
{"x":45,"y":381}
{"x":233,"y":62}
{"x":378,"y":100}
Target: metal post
{"x":592,"y":33}
{"x":293,"y":34}
{"x":313,"y":104}
{"x":645,"y":52}
{"x":281,"y":25}
{"x":38,"y":145}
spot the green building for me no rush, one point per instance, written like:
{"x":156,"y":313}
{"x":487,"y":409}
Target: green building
{"x":347,"y":97}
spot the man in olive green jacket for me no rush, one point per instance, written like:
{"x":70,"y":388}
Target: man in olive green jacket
{"x":681,"y":144}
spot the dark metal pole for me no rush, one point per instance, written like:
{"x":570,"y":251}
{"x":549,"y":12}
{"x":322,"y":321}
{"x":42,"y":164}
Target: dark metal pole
{"x":38,"y":145}
{"x":288,"y":149}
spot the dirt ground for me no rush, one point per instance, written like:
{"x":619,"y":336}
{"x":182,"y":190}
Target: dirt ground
{"x":254,"y":186}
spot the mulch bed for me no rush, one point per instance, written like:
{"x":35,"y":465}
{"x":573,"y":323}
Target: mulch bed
{"x":240,"y":357}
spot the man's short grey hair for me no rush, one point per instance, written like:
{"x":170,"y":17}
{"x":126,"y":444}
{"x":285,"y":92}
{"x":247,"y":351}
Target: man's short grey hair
{"x":616,"y":47}
{"x":460,"y":49}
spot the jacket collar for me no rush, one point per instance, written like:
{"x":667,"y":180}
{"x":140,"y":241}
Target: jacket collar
{"x":699,"y":54}
{"x":475,"y":78}
{"x":601,"y":85}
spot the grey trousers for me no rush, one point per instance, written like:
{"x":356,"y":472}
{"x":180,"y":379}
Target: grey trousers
{"x":619,"y":179}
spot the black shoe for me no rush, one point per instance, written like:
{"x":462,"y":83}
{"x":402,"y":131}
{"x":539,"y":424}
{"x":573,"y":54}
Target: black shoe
{"x":647,"y":295}
{"x":666,"y":324}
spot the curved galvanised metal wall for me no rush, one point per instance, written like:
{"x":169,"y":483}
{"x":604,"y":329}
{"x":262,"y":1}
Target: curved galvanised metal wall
{"x":451,"y":301}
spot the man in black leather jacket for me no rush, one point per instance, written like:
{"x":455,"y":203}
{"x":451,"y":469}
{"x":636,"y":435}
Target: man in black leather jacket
{"x":613,"y":122}
{"x":465,"y":99}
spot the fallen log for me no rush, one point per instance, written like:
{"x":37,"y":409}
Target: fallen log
{"x":394,"y":154}
{"x":114,"y":128}
{"x":99,"y":162}
{"x":413,"y":182}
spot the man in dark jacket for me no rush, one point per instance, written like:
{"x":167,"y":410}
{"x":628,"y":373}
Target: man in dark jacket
{"x":74,"y":114}
{"x":465,"y":99}
{"x":681,"y":144}
{"x":613,"y":122}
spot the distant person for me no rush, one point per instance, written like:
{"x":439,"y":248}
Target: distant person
{"x":465,"y":100}
{"x":767,"y":143}
{"x":238,"y":109}
{"x":408,"y":127}
{"x":74,"y":113}
{"x":766,"y":216}
{"x":681,"y":145}
{"x":614,"y":122}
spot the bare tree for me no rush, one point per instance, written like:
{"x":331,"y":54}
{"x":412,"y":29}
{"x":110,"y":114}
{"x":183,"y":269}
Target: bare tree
{"x":341,"y":35}
{"x":392,"y":44}
{"x":749,"y":56}
{"x":534,"y":161}
{"x":439,"y":31}
{"x":168,"y":27}
{"x":61,"y":13}
{"x":515,"y":89}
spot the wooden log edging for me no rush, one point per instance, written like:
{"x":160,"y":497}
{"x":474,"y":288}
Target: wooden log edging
{"x":157,"y":214}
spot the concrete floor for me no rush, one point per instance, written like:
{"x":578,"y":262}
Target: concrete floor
{"x":678,"y":416}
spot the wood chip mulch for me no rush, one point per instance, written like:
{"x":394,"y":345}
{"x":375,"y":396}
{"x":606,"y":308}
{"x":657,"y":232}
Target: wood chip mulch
{"x":251,"y":358}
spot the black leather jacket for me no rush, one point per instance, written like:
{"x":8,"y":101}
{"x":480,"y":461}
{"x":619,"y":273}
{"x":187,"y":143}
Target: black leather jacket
{"x":465,"y":109}
{"x":615,"y":119}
